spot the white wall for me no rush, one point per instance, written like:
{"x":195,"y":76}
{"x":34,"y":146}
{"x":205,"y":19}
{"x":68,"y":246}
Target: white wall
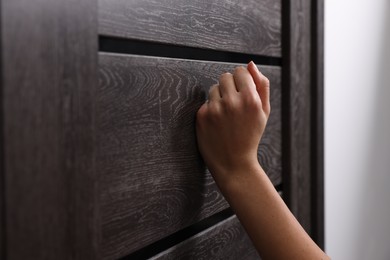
{"x":357,"y":129}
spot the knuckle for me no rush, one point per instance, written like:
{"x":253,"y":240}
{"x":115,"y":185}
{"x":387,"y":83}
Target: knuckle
{"x":239,"y":69}
{"x":213,"y":87}
{"x":268,"y":111}
{"x":266,"y":82}
{"x":213,"y":113}
{"x":230,"y":104}
{"x":224,"y":76}
{"x":201,"y":114}
{"x":252,"y":101}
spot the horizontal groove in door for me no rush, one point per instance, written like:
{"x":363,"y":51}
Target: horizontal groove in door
{"x":179,"y":236}
{"x":251,"y":26}
{"x":126,"y":46}
{"x":152,"y":179}
{"x":226,"y":240}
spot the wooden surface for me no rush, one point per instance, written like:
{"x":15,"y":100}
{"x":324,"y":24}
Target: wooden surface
{"x":297,"y":109}
{"x":152,"y":179}
{"x":52,"y":154}
{"x":49,"y":67}
{"x":226,"y":240}
{"x":239,"y":26}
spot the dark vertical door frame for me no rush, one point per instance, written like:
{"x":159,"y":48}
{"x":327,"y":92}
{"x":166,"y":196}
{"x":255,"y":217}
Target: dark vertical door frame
{"x":2,"y":167}
{"x":302,"y":76}
{"x":317,"y":159}
{"x":49,"y":74}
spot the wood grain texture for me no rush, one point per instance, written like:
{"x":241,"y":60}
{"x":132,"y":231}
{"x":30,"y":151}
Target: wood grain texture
{"x":153,"y":181}
{"x":238,"y":26}
{"x":49,"y":54}
{"x":226,"y":240}
{"x":297,"y":134}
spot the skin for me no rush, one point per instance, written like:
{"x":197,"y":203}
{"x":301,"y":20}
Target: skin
{"x":229,"y":127}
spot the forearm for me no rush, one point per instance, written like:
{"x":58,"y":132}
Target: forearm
{"x":272,"y":228}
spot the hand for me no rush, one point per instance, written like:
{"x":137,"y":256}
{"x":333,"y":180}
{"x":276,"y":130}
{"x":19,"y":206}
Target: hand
{"x":229,"y":128}
{"x":230,"y":124}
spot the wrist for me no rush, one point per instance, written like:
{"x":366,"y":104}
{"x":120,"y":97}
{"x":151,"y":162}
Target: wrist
{"x":231,"y":180}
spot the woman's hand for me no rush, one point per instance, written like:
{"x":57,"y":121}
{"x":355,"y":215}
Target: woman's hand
{"x":230,"y":124}
{"x":229,"y":128}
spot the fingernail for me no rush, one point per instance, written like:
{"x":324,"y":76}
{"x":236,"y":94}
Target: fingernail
{"x":255,"y":66}
{"x":251,"y":63}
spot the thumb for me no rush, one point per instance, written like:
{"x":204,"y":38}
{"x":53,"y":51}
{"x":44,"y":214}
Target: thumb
{"x":262,"y":86}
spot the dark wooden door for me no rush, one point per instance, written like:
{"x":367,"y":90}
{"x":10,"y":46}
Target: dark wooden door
{"x":98,"y":150}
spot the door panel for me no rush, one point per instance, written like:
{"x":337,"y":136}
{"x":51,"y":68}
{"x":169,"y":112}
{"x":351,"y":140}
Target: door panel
{"x":252,"y":27}
{"x":152,"y":179}
{"x":226,"y":240}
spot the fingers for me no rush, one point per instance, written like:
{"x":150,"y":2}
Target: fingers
{"x":226,"y":84}
{"x":225,"y":87}
{"x":214,"y":93}
{"x":262,"y":86}
{"x":243,"y":79}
